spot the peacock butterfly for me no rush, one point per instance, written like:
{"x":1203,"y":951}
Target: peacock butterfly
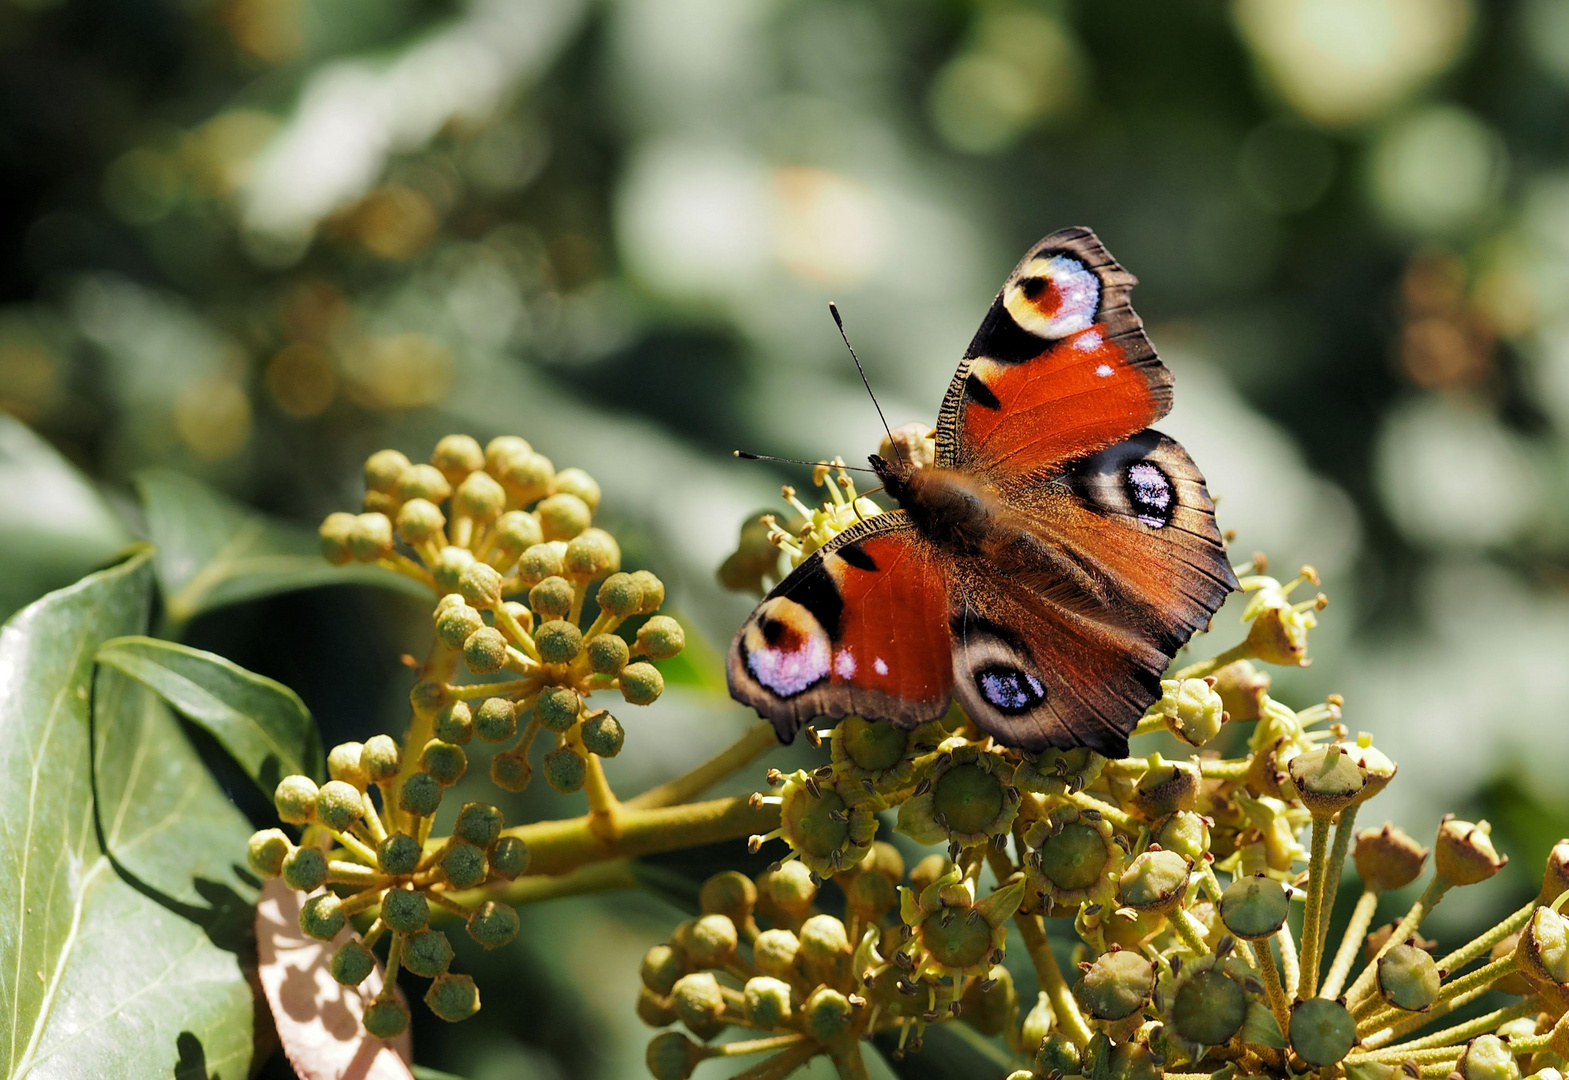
{"x":1045,"y":568}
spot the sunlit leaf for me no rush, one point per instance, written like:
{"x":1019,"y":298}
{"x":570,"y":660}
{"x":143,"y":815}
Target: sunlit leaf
{"x":128,"y":965}
{"x":263,"y":724}
{"x":212,"y":551}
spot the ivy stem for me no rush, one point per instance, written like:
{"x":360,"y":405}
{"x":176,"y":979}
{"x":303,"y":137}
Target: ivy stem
{"x":1408,"y":925}
{"x":1033,"y":931}
{"x":756,"y":1046}
{"x":756,"y":741}
{"x":1313,"y":911}
{"x":1289,"y":970}
{"x":1345,"y":828}
{"x":1461,"y":1033}
{"x":1356,"y":933}
{"x":1274,"y":988}
{"x":848,"y":1061}
{"x":1239,"y":651}
{"x":1481,"y":977}
{"x":604,"y":809}
{"x":1484,"y":942}
{"x":781,"y":1065}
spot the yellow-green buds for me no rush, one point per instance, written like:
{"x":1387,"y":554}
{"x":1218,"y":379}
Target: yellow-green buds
{"x":565,"y":769}
{"x":698,"y":1000}
{"x":343,"y":763}
{"x":577,"y":482}
{"x":1322,"y":1031}
{"x":1058,"y":1054}
{"x":493,"y":924}
{"x":383,"y":468}
{"x":336,"y":534}
{"x":423,"y":482}
{"x":539,"y":562}
{"x":711,"y":941}
{"x":788,"y":891}
{"x":480,"y":497}
{"x":463,"y":865}
{"x":1387,"y":858}
{"x":443,"y":761}
{"x":381,"y":758}
{"x":480,"y":584}
{"x":371,"y":537}
{"x":1488,"y":1057}
{"x":386,"y":1018}
{"x":448,"y":568}
{"x":660,"y":638}
{"x":1253,"y":908}
{"x":1117,"y":985}
{"x":485,"y":651}
{"x":767,"y":1002}
{"x":479,"y":824}
{"x":827,"y":1014}
{"x":590,"y":554}
{"x":1543,"y":950}
{"x":454,"y":724}
{"x":453,"y":997}
{"x":1243,"y":689}
{"x":641,"y":684}
{"x":607,"y":654}
{"x":295,"y":799}
{"x":1184,"y":832}
{"x":552,"y":598}
{"x":405,"y":910}
{"x":621,"y":595}
{"x":420,"y":795}
{"x":1192,"y":709}
{"x":427,"y":953}
{"x":509,"y":858}
{"x":650,"y":589}
{"x":527,"y":478}
{"x":496,"y":721}
{"x":513,"y":534}
{"x":352,"y":963}
{"x":825,"y":831}
{"x":511,"y":771}
{"x":1165,"y":787}
{"x":419,"y":522}
{"x":1155,"y":881}
{"x":563,"y":516}
{"x":660,"y":969}
{"x":305,"y":869}
{"x":1555,"y":876}
{"x":1408,"y":978}
{"x":559,"y":642}
{"x":1464,"y":854}
{"x":729,"y":893}
{"x":603,"y":735}
{"x":455,"y":622}
{"x":672,"y":1056}
{"x":825,"y":945}
{"x":456,"y":456}
{"x":338,"y":805}
{"x":1327,"y":779}
{"x":502,"y":449}
{"x":774,"y":952}
{"x":1209,"y":1006}
{"x":267,"y":851}
{"x":1038,"y":1022}
{"x":322,"y":917}
{"x":429,"y":696}
{"x":398,"y":855}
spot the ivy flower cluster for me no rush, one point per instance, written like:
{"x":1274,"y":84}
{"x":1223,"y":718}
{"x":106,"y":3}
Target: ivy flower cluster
{"x":1199,"y":889}
{"x":529,"y":622}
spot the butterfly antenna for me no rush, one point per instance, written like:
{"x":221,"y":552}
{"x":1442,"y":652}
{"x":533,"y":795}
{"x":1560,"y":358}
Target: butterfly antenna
{"x":747,"y":455}
{"x":833,"y":309}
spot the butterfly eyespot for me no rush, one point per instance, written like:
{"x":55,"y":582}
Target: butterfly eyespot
{"x":1009,"y":689}
{"x":786,"y":649}
{"x":1149,"y":490}
{"x":1055,"y":297}
{"x":1032,"y":286}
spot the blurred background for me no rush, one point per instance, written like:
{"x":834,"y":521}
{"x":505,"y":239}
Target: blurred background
{"x":254,"y":240}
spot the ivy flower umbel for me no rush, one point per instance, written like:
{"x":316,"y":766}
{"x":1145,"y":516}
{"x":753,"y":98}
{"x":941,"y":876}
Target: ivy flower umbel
{"x":828,"y":827}
{"x":965,"y":798}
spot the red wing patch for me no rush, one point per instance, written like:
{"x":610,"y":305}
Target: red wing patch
{"x":1060,"y":367}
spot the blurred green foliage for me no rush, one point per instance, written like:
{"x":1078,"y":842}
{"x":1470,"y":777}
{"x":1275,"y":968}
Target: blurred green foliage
{"x":253,"y":240}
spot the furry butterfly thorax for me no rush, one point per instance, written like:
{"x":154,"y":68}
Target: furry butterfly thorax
{"x":1043,"y":570}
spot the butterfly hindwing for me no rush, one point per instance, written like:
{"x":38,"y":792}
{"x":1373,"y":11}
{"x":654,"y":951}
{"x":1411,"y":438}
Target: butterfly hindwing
{"x":859,"y":627}
{"x":1060,"y":367}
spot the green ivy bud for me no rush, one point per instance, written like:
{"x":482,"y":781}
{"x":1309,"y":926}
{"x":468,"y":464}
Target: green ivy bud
{"x":1464,"y":854}
{"x":660,"y":638}
{"x":419,"y":521}
{"x":455,"y":622}
{"x":343,"y":763}
{"x":443,"y":761}
{"x":423,"y":482}
{"x":338,"y":805}
{"x":485,"y":651}
{"x":480,"y":584}
{"x":641,"y":684}
{"x":660,"y":969}
{"x":1327,"y":779}
{"x":429,"y":696}
{"x":563,"y":516}
{"x":267,"y":851}
{"x":335,"y":534}
{"x":1209,"y":1007}
{"x":869,"y":894}
{"x":427,"y":953}
{"x":990,"y":1004}
{"x":774,"y":953}
{"x":607,"y":654}
{"x":1155,"y":881}
{"x":767,"y":1002}
{"x":322,"y":917}
{"x":654,"y":1009}
{"x":456,"y":456}
{"x":1322,"y":1031}
{"x":1543,"y":950}
{"x":381,"y":759}
{"x":1184,"y":832}
{"x":420,"y":795}
{"x":728,"y":893}
{"x":651,"y":589}
{"x":698,"y":999}
{"x":557,"y":708}
{"x":620,"y":596}
{"x":352,"y":963}
{"x":565,"y":769}
{"x":493,"y":924}
{"x":527,"y":478}
{"x":496,"y":721}
{"x":558,"y":642}
{"x":502,"y":449}
{"x":828,"y":1014}
{"x":927,"y":871}
{"x":1488,"y":1057}
{"x":398,"y":855}
{"x":386,"y":1018}
{"x":540,"y":562}
{"x":1408,"y":978}
{"x":591,"y":554}
{"x":1192,"y":709}
{"x":603,"y":735}
{"x":790,"y":889}
{"x":480,"y":497}
{"x":672,"y":1056}
{"x":1118,"y":984}
{"x":295,"y":799}
{"x":515,"y":532}
{"x":448,"y":569}
{"x":579,"y":483}
{"x":464,"y":865}
{"x":1253,"y":908}
{"x":382,"y":470}
{"x":405,"y":910}
{"x":552,"y":598}
{"x":712,"y":941}
{"x":1038,"y":1022}
{"x":511,"y":771}
{"x":824,"y":946}
{"x":453,"y":997}
{"x":1165,"y":787}
{"x":479,"y":824}
{"x":454,"y":724}
{"x":509,"y":858}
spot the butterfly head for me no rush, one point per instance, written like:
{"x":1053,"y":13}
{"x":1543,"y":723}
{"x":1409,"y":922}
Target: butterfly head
{"x":896,"y":474}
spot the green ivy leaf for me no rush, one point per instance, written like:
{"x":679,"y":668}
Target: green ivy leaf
{"x":125,"y":965}
{"x":212,"y":551}
{"x":263,"y":725}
